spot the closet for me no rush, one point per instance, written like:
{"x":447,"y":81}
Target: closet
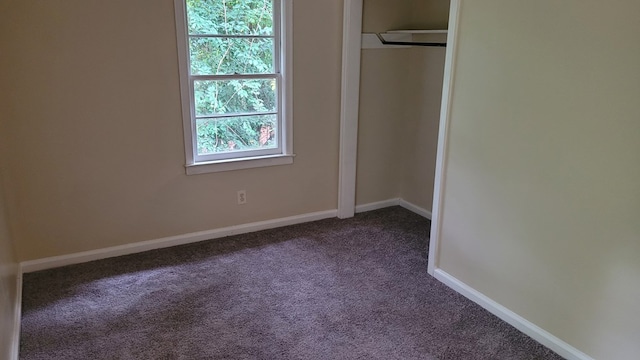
{"x":400,"y":90}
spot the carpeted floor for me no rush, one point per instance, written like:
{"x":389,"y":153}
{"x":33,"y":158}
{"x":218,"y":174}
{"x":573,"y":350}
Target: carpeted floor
{"x":331,"y":289}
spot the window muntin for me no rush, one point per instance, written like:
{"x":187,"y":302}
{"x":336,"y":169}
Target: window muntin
{"x":235,"y":79}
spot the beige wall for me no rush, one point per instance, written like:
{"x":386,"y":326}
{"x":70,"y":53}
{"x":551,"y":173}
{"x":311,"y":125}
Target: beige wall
{"x":419,"y":139}
{"x":422,"y":101}
{"x":429,"y":14}
{"x":90,"y":92}
{"x":541,"y":198}
{"x":380,"y":125}
{"x":400,"y":97}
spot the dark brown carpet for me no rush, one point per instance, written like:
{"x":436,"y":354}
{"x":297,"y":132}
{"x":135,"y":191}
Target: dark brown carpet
{"x":331,"y":289}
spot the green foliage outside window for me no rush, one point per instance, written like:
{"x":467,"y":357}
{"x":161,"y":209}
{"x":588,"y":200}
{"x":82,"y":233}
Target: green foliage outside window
{"x":228,"y":56}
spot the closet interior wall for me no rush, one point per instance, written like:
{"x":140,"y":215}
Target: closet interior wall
{"x":400,"y":94}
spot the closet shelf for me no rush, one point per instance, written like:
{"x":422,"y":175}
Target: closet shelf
{"x":416,"y":31}
{"x":401,"y":39}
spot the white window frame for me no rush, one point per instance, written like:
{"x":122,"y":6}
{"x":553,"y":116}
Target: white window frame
{"x":283,"y":34}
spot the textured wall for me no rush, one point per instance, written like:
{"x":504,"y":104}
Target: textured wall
{"x":541,"y":197}
{"x":90,"y":93}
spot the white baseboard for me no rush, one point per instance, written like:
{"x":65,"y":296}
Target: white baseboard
{"x":394,"y":202}
{"x":86,"y":256}
{"x":377,"y":205}
{"x":535,"y":332}
{"x":415,"y":208}
{"x":17,"y":316}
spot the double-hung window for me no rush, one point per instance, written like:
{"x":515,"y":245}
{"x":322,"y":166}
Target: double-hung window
{"x":235,"y":82}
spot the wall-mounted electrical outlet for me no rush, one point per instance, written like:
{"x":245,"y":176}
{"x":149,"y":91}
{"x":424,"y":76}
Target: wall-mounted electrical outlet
{"x":242,"y":197}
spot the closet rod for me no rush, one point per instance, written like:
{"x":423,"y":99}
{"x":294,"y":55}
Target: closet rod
{"x":410,"y":43}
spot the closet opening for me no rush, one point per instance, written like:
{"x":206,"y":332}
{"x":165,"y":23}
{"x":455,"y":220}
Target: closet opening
{"x":396,"y":68}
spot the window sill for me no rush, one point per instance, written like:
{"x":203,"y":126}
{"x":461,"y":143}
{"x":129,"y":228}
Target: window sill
{"x":238,"y":164}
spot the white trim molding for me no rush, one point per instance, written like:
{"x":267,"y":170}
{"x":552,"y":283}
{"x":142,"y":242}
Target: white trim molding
{"x":350,"y":99}
{"x":445,"y":113}
{"x":14,"y":352}
{"x":86,"y":256}
{"x":91,"y":255}
{"x":394,"y":202}
{"x":371,"y":41}
{"x":415,"y":208}
{"x":239,"y":164}
{"x":377,"y":205}
{"x":535,"y":332}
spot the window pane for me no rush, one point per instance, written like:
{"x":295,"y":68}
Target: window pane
{"x":223,"y":56}
{"x":246,"y":17}
{"x":254,"y":132}
{"x":234,"y":96}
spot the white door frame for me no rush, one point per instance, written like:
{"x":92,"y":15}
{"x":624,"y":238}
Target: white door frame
{"x":351,"y":51}
{"x":443,"y":129}
{"x":351,"y":48}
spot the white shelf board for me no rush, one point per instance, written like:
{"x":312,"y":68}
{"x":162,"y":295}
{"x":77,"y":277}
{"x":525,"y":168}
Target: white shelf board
{"x":371,"y":41}
{"x":416,"y":32}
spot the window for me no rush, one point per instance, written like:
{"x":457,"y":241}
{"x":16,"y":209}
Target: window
{"x":235,"y":83}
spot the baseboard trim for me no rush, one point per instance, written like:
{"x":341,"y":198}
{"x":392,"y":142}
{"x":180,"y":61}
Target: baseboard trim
{"x":394,"y":202}
{"x":377,"y":205}
{"x":535,"y":332}
{"x":86,"y":256}
{"x":17,"y":316}
{"x":415,"y":208}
